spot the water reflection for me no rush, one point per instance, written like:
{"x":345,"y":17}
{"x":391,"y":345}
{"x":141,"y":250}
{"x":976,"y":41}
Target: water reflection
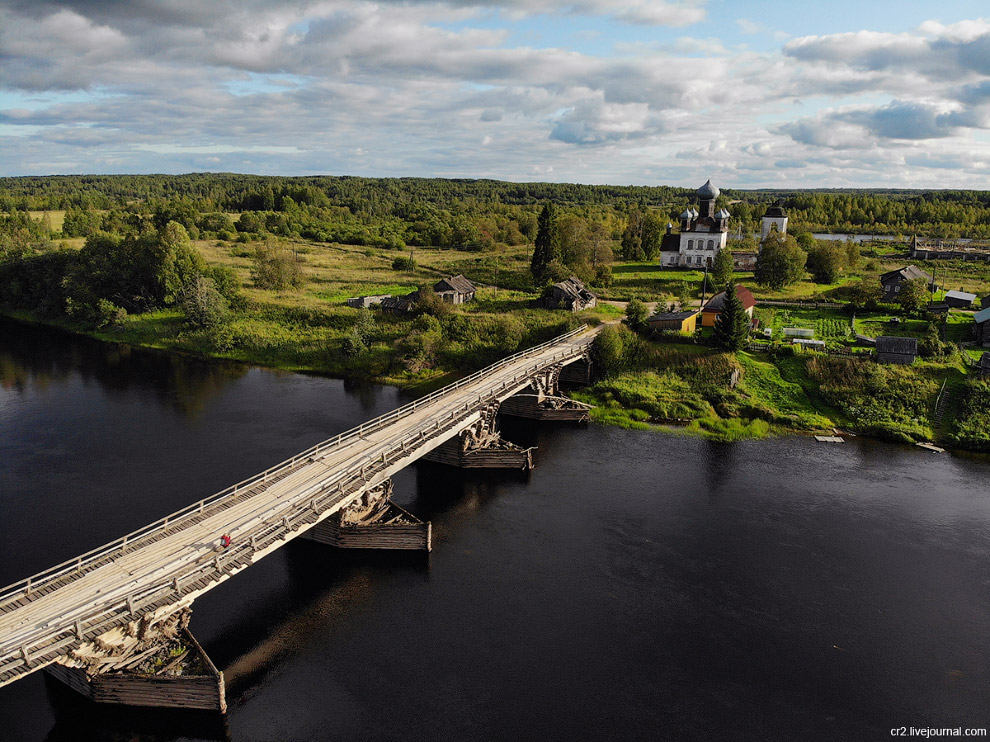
{"x":36,"y":357}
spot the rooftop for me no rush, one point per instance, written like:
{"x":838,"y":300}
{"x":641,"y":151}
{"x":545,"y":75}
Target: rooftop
{"x":716,"y":302}
{"x":707,"y":191}
{"x":672,"y":316}
{"x":898,"y":345}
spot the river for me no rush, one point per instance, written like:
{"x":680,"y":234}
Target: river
{"x":634,"y":586}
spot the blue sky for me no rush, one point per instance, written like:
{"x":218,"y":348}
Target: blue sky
{"x":776,"y":94}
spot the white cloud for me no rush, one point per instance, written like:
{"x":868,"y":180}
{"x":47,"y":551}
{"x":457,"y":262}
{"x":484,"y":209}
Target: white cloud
{"x":446,"y":88}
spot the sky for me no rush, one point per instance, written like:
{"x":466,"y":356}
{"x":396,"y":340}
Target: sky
{"x":646,"y":92}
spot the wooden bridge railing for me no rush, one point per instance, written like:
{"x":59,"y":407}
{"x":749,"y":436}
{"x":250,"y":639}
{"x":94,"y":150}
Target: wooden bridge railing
{"x":78,"y":564}
{"x":274,"y":522}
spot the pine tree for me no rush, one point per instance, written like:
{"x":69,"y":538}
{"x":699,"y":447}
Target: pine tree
{"x":547,"y":249}
{"x":732,"y":325}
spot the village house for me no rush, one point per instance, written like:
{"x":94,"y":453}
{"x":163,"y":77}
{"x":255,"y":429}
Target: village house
{"x":714,"y":306}
{"x":892,"y":281}
{"x":455,"y":290}
{"x":686,"y":321}
{"x":959,"y":299}
{"x":981,"y":327}
{"x":897,"y":349}
{"x":571,"y":294}
{"x":985,"y":301}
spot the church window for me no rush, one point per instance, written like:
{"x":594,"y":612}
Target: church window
{"x":690,"y":244}
{"x":711,"y":244}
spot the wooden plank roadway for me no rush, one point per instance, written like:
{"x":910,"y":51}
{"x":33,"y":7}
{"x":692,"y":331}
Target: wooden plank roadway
{"x":169,"y":567}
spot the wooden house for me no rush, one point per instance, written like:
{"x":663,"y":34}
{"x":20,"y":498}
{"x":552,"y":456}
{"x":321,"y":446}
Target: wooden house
{"x":571,"y":294}
{"x":896,"y":349}
{"x":985,"y":301}
{"x":983,"y":365}
{"x":455,"y":290}
{"x":959,"y":299}
{"x":981,"y":327}
{"x":892,"y":281}
{"x":399,"y":304}
{"x":686,"y":321}
{"x":714,"y":306}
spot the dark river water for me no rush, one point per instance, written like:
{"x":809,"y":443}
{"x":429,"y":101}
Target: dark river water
{"x":632,"y":587}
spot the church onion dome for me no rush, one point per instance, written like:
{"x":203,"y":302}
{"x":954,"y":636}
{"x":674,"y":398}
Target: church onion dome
{"x":707,"y":192}
{"x":723,"y":214}
{"x":688,"y":214}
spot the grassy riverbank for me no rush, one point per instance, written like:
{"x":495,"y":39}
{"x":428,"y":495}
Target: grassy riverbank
{"x":652,"y":385}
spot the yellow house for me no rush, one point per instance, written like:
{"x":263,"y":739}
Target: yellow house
{"x":674,"y":321}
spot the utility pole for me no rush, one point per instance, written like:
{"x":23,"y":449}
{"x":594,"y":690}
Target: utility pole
{"x":704,"y":287}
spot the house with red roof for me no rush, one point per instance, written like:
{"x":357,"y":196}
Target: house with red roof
{"x":713,"y":308}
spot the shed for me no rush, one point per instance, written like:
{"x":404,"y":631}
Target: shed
{"x":744,"y":260}
{"x":981,"y":328}
{"x":896,"y":349}
{"x":798,"y":332}
{"x":983,"y":365}
{"x":959,"y":299}
{"x":399,"y":304}
{"x":364,"y":302}
{"x":806,"y":343}
{"x":714,"y":306}
{"x":455,"y":290}
{"x":571,"y":294}
{"x":985,"y":301}
{"x":686,"y":321}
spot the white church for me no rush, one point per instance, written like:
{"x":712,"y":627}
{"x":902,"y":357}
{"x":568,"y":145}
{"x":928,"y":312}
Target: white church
{"x":704,"y":231}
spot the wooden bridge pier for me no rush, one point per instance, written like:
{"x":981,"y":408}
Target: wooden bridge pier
{"x":373,"y":521}
{"x":544,"y":401}
{"x":157,"y":665}
{"x":482,"y":447}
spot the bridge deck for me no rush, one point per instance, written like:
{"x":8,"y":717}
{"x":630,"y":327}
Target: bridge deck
{"x":167,"y":565}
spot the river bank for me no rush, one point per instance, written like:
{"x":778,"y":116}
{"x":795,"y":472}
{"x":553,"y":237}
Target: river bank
{"x":680,"y":389}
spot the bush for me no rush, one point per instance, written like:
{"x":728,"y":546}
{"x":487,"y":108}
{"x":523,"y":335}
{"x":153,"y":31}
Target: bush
{"x":275,"y":268}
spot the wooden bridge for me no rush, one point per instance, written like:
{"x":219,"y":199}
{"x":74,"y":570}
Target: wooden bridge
{"x":107,"y":603}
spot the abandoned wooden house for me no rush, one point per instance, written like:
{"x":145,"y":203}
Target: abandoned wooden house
{"x":892,"y":281}
{"x":714,"y":306}
{"x":959,"y":299}
{"x":399,"y":304}
{"x":571,"y":294}
{"x":686,"y":321}
{"x":892,"y":349}
{"x":981,"y":327}
{"x":455,"y":290}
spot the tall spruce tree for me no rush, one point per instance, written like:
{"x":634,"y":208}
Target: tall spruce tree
{"x":547,"y":249}
{"x":732,"y":325}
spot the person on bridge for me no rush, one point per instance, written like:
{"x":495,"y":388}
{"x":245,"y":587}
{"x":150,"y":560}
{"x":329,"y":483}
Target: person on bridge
{"x":225,"y":541}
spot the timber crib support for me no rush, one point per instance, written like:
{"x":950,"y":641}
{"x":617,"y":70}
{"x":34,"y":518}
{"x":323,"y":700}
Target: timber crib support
{"x":373,"y":521}
{"x":161,"y":666}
